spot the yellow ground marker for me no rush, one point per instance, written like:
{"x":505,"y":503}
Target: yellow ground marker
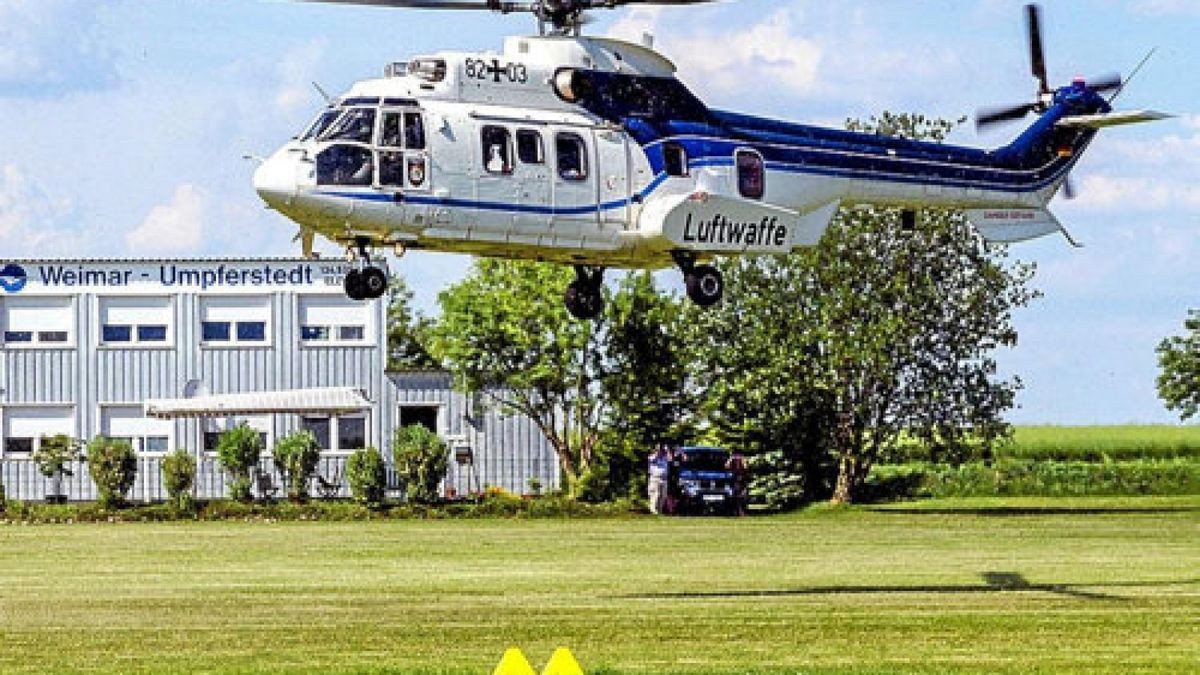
{"x":514,"y":663}
{"x":562,"y":663}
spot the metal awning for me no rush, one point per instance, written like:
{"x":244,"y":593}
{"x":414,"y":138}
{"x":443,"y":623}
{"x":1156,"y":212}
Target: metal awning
{"x":330,"y":401}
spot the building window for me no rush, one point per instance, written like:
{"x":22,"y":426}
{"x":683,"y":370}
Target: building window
{"x":750,"y":174}
{"x":213,"y":428}
{"x":331,"y":319}
{"x":24,"y":428}
{"x":129,"y":423}
{"x":350,"y":432}
{"x":572,"y":156}
{"x":133,"y":320}
{"x":529,"y":147}
{"x":423,"y":415}
{"x":37,"y":321}
{"x":497,"y":149}
{"x":230,"y":321}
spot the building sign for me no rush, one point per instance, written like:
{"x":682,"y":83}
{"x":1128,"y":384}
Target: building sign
{"x":225,"y":276}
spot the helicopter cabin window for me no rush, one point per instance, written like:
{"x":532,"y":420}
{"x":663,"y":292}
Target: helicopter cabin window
{"x":497,"y":150}
{"x":529,"y":147}
{"x":355,"y":124}
{"x":345,"y":165}
{"x":572,"y":156}
{"x":675,"y":159}
{"x":414,"y":131}
{"x":751,"y":178}
{"x":390,"y":135}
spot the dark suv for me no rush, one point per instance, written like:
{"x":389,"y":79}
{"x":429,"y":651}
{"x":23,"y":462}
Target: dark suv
{"x":702,"y":483}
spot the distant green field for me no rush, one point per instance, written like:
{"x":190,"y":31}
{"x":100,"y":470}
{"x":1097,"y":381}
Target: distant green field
{"x":1103,"y":443}
{"x":983,"y":585}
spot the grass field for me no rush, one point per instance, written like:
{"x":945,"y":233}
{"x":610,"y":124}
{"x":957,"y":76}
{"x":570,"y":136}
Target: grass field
{"x":1082,"y":585}
{"x":1103,"y":443}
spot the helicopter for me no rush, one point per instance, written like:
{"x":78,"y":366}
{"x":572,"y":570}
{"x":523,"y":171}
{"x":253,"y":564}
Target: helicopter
{"x":590,"y":152}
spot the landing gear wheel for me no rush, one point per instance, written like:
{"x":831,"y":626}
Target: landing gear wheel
{"x":584,"y":297}
{"x":374,"y":281}
{"x":583,"y":300}
{"x":705,"y":285}
{"x":355,"y":285}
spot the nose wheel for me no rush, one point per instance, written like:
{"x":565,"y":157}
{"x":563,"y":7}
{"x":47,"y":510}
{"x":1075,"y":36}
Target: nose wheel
{"x":583,"y":296}
{"x":364,"y":281}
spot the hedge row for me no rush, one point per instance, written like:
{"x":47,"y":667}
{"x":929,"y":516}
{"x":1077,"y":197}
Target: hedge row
{"x":1036,"y":479}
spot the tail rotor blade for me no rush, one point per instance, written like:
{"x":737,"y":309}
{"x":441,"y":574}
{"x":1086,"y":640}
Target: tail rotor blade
{"x":1106,"y":82}
{"x":1069,"y":191}
{"x":986,"y":117}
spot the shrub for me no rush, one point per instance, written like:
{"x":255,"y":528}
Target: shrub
{"x":421,"y":459}
{"x":296,"y":456}
{"x":179,"y":474}
{"x":238,"y":449}
{"x":55,"y":455}
{"x":114,"y":466}
{"x":367,"y":476}
{"x":775,"y":481}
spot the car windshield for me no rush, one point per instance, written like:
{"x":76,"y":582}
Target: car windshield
{"x":703,"y":460}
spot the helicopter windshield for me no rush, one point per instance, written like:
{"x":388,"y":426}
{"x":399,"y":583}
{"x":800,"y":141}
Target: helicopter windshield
{"x":355,"y":124}
{"x":320,"y":124}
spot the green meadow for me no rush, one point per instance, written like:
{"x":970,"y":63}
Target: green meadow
{"x":1011,"y":585}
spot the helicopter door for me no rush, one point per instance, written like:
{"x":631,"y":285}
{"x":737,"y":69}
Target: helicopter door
{"x":612,"y":172}
{"x":575,"y":191}
{"x":531,"y":176}
{"x":496,"y":190}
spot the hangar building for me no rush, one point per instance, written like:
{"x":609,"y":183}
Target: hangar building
{"x":169,"y":353}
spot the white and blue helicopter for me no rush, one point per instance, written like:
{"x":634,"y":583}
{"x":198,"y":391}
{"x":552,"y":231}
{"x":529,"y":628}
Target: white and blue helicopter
{"x":590,"y":152}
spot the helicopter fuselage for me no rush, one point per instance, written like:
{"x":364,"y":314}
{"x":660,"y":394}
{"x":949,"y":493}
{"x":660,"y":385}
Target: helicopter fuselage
{"x":589,"y":151}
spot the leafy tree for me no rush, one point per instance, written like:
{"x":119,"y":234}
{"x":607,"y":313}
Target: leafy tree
{"x":421,"y":458}
{"x":179,"y":474}
{"x":238,"y":449}
{"x":876,"y":333}
{"x":114,"y":467}
{"x":1179,"y":369}
{"x":407,"y":330}
{"x":54,"y":457}
{"x":505,"y":334}
{"x":297,"y":455}
{"x":643,"y":386}
{"x":367,"y":475}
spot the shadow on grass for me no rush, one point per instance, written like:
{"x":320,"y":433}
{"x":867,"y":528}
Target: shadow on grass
{"x":993,"y":582}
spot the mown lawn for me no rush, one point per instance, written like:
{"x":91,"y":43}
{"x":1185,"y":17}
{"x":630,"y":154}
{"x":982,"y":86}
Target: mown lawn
{"x":1081,"y":585}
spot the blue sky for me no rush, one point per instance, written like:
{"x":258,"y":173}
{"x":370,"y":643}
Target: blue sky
{"x":123,"y":124}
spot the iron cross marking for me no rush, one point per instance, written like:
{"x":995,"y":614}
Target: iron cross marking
{"x":496,"y":71}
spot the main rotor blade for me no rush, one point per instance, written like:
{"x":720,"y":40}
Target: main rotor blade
{"x":494,"y":5}
{"x":1037,"y":59}
{"x":986,"y":117}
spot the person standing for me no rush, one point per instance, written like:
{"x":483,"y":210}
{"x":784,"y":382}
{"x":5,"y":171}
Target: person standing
{"x":657,"y":485}
{"x":736,"y":466}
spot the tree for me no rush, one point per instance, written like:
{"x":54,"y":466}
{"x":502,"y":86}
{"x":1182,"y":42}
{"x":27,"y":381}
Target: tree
{"x":54,"y":457}
{"x":238,"y":449}
{"x":643,"y":385}
{"x":114,"y":468}
{"x":421,"y":459}
{"x":505,"y":334}
{"x":296,"y":456}
{"x":407,"y":330}
{"x":876,"y":333}
{"x":1179,"y":368}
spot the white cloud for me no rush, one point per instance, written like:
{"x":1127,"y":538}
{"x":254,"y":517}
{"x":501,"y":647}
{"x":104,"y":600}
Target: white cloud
{"x":32,"y":221}
{"x":176,"y":227}
{"x":296,"y":74}
{"x":1101,"y":191}
{"x":52,"y":46}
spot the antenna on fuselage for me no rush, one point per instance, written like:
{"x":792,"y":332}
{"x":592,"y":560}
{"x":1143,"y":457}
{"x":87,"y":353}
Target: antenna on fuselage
{"x":1133,"y":74}
{"x":324,"y":94}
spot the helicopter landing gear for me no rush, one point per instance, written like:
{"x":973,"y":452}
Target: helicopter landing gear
{"x":583,"y":296}
{"x":704,"y":283}
{"x":364,"y":281}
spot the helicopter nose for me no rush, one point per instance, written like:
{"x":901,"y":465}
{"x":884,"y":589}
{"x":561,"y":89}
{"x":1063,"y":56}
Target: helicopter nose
{"x":275,"y":180}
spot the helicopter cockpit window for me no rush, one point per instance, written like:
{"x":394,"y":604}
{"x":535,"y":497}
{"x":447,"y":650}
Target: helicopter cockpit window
{"x":320,"y":124}
{"x":529,"y":147}
{"x":390,"y":135}
{"x":572,"y":157}
{"x":355,"y":124}
{"x":414,"y":131}
{"x":750,"y":175}
{"x":675,"y":159}
{"x":345,"y":165}
{"x":497,"y":150}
